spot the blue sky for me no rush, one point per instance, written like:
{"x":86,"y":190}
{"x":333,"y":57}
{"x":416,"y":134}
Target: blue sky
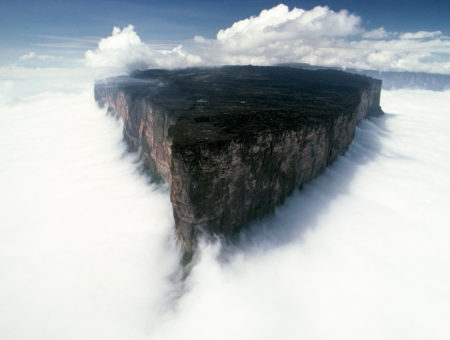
{"x":68,"y":28}
{"x":180,"y":19}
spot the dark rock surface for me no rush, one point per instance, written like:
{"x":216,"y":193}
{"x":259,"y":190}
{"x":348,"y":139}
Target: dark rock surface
{"x":234,"y":142}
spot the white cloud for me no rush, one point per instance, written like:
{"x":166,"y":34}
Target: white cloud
{"x":318,"y":36}
{"x":421,"y":35}
{"x":280,"y":23}
{"x":324,"y":37}
{"x":17,"y":81}
{"x":30,"y":55}
{"x":33,"y":55}
{"x":360,"y":253}
{"x":379,"y":33}
{"x":124,"y":51}
{"x":77,"y":266}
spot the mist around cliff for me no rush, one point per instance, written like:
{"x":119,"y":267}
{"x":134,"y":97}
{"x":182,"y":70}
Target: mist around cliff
{"x":87,"y":246}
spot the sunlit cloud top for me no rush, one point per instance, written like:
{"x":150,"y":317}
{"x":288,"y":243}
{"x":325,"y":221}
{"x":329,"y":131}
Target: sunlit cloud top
{"x":318,"y":36}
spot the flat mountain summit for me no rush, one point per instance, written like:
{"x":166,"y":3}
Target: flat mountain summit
{"x":233,"y":142}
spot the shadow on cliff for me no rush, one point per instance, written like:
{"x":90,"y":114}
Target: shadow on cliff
{"x":303,"y":208}
{"x":299,"y":214}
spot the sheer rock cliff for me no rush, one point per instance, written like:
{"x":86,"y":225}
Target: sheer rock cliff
{"x":234,"y":142}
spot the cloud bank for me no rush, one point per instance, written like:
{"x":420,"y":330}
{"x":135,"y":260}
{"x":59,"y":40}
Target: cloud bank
{"x":86,"y":244}
{"x":318,"y":36}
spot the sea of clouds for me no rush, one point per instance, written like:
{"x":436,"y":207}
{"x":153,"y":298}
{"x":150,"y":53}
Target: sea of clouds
{"x":87,"y":244}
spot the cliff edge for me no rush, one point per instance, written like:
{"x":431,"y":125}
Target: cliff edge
{"x":234,"y":142}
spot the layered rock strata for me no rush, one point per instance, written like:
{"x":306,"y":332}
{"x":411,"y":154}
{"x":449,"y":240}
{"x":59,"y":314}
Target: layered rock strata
{"x":234,"y":142}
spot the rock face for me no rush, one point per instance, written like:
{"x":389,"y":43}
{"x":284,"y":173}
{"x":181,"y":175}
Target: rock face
{"x":234,"y":142}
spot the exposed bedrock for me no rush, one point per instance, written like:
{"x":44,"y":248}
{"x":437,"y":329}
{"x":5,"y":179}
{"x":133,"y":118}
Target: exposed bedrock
{"x":234,"y":142}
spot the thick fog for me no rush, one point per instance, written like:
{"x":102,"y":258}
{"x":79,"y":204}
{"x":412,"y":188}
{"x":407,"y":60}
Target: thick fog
{"x":87,"y":246}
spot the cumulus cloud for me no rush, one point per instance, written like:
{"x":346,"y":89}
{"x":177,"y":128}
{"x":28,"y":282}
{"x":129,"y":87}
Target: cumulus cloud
{"x":124,"y":50}
{"x":281,"y":35}
{"x":318,"y":36}
{"x":282,"y":23}
{"x":324,"y":37}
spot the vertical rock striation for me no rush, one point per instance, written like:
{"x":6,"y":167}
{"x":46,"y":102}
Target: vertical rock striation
{"x":234,"y":142}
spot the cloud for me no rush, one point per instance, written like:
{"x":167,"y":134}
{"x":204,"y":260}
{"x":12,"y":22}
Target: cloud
{"x":318,"y":36}
{"x":18,"y":81}
{"x":125,"y":51}
{"x":379,"y":33}
{"x":33,"y":61}
{"x":324,"y":37}
{"x":421,"y":35}
{"x":30,"y":55}
{"x":80,"y":250}
{"x":280,"y":23}
{"x":64,"y":42}
{"x":33,"y":55}
{"x":86,"y":244}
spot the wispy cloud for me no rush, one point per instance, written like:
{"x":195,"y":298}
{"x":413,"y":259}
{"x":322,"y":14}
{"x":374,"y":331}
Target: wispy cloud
{"x":64,"y":42}
{"x":33,"y":55}
{"x":421,"y":35}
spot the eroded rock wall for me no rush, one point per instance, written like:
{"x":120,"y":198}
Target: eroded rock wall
{"x":145,"y":126}
{"x":219,"y":185}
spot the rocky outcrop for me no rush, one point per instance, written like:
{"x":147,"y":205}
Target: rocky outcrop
{"x":234,"y":142}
